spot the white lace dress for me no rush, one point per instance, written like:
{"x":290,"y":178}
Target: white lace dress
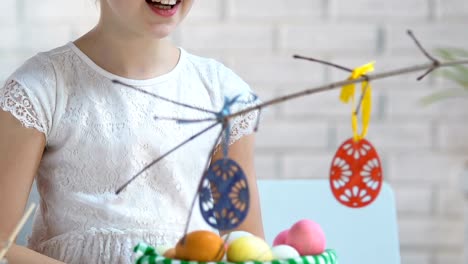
{"x":99,"y":134}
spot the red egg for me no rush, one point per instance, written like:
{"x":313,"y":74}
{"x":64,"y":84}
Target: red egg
{"x":280,"y":239}
{"x":307,"y":237}
{"x":356,"y":173}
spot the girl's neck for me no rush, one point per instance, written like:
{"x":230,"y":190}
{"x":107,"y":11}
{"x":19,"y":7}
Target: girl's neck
{"x":134,"y":58}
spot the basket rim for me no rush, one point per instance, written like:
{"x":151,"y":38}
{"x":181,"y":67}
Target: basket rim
{"x":327,"y":257}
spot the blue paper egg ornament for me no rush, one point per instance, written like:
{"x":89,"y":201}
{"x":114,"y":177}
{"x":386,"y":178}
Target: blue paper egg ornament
{"x":224,"y":196}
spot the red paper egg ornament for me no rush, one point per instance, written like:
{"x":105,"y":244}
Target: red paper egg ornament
{"x":356,"y":171}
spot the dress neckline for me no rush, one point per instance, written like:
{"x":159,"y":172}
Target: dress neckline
{"x":136,"y":82}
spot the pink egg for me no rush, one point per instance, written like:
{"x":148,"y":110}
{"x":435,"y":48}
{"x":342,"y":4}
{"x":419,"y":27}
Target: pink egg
{"x":307,"y":237}
{"x":280,"y":239}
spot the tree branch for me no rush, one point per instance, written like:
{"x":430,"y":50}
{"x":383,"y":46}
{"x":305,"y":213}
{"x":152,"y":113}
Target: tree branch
{"x":435,"y":62}
{"x":339,"y":84}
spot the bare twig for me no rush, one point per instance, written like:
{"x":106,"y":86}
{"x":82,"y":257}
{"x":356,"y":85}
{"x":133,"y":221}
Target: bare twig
{"x":186,"y":121}
{"x":341,"y":68}
{"x":323,"y":62}
{"x":435,"y":62}
{"x":288,"y":97}
{"x":119,"y":190}
{"x":427,"y":73}
{"x":200,"y":183}
{"x":423,"y":50}
{"x":429,"y":67}
{"x":339,"y":84}
{"x":19,"y":226}
{"x":163,"y":98}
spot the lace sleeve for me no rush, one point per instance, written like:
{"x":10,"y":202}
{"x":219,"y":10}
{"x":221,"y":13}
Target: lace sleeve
{"x":14,"y":99}
{"x":233,"y":86}
{"x":244,"y":124}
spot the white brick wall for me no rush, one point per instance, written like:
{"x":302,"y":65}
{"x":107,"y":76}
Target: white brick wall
{"x":278,"y":10}
{"x":8,"y":16}
{"x":50,"y":11}
{"x":327,"y":37}
{"x":453,"y":9}
{"x":396,"y":10}
{"x":13,"y":38}
{"x":423,"y":149}
{"x":244,"y":38}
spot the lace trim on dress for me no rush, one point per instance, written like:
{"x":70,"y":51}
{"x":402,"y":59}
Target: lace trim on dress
{"x":102,"y":245}
{"x":241,"y":125}
{"x":14,"y":99}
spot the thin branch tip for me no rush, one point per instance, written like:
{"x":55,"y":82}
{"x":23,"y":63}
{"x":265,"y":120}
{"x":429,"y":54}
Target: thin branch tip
{"x":343,"y":68}
{"x":435,"y":62}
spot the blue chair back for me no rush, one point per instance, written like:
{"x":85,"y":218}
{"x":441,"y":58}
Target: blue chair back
{"x":359,"y":236}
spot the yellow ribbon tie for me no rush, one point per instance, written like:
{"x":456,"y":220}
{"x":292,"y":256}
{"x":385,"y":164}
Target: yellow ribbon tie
{"x":348,"y":94}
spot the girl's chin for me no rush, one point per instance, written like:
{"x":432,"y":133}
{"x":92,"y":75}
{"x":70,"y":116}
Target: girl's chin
{"x":160,"y":31}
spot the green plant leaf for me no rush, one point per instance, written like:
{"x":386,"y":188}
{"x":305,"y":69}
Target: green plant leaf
{"x":442,"y":95}
{"x":452,"y":53}
{"x":456,"y":73}
{"x":458,"y":77}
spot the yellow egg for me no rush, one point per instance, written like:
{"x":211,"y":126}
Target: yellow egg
{"x":249,"y":248}
{"x":228,"y":238}
{"x":201,"y":246}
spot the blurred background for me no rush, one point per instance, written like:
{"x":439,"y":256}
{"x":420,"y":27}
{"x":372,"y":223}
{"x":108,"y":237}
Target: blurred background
{"x":424,"y":149}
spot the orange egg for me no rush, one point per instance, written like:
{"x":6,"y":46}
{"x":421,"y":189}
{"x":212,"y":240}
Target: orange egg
{"x":200,"y":245}
{"x":170,"y":253}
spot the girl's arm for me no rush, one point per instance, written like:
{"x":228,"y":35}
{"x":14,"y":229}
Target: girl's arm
{"x":242,"y":151}
{"x":20,"y":255}
{"x":20,"y":153}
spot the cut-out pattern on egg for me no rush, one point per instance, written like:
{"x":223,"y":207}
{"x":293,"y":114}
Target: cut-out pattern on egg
{"x":356,"y":173}
{"x":224,"y":196}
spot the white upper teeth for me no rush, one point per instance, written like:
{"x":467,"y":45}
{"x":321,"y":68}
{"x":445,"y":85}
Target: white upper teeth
{"x":165,"y":2}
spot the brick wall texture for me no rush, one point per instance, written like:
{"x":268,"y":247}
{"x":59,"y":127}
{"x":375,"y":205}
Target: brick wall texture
{"x":423,"y":148}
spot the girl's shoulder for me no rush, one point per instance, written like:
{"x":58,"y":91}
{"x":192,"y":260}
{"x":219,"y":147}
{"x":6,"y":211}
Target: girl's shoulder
{"x":225,"y":82}
{"x":30,"y":92}
{"x":43,"y":66}
{"x":207,"y":65}
{"x":220,"y":74}
{"x":197,"y":60}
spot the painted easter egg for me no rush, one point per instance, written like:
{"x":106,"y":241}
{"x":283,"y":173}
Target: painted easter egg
{"x":224,"y":196}
{"x":200,"y":245}
{"x":230,"y":237}
{"x":307,"y":237}
{"x":280,"y":239}
{"x":284,"y":252}
{"x":356,"y":173}
{"x":170,"y":253}
{"x":249,"y":248}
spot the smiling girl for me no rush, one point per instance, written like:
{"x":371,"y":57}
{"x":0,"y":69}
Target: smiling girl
{"x":66,"y":124}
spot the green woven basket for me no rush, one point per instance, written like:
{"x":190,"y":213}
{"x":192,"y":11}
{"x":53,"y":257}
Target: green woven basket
{"x":149,"y":256}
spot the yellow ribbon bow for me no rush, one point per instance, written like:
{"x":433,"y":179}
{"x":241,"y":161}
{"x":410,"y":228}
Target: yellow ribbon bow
{"x":347,"y":94}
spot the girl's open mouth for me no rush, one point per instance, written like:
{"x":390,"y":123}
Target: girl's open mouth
{"x":163,"y":4}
